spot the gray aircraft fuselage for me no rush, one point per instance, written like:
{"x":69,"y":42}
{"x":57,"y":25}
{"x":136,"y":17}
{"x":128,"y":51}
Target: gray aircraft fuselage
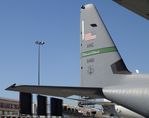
{"x":132,"y":91}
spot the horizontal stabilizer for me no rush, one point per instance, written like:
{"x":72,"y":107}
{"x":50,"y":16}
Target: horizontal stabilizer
{"x":60,"y":91}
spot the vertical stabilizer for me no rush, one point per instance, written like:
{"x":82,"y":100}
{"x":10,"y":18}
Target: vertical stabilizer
{"x":99,"y":55}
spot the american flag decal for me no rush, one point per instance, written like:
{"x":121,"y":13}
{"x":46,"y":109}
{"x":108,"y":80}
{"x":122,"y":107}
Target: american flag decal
{"x":89,"y":36}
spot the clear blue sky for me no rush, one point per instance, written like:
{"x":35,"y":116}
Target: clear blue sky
{"x":57,"y":22}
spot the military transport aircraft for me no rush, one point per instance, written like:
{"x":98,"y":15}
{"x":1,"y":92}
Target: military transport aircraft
{"x":103,"y":72}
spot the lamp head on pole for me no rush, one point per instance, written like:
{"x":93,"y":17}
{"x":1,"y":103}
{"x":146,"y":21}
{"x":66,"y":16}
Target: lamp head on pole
{"x":39,"y":42}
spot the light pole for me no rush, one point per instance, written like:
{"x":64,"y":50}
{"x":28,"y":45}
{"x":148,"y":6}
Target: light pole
{"x":39,"y":43}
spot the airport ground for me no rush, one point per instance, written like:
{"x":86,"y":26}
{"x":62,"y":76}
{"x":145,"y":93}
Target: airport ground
{"x":9,"y":108}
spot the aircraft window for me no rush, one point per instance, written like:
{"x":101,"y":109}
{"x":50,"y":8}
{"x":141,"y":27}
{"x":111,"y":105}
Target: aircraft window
{"x":93,"y":25}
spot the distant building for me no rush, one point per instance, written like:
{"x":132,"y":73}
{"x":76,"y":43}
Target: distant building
{"x":9,"y":107}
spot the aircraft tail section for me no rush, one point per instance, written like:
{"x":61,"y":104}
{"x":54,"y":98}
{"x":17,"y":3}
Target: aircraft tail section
{"x":99,"y":55}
